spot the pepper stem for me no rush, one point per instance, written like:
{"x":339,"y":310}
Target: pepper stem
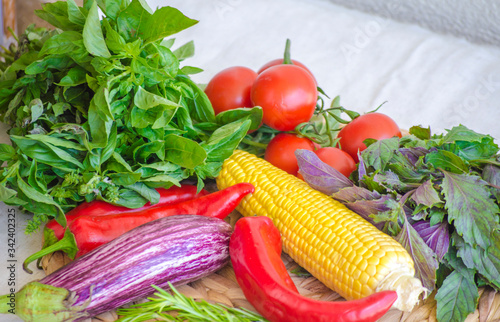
{"x":287,"y":56}
{"x":67,"y":244}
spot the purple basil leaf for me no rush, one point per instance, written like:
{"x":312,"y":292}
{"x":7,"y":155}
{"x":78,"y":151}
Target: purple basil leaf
{"x":366,"y":208}
{"x":437,"y":237}
{"x":423,"y":256}
{"x":426,"y":194}
{"x":361,"y":168}
{"x":319,"y":175}
{"x":354,"y":193}
{"x":413,"y":154}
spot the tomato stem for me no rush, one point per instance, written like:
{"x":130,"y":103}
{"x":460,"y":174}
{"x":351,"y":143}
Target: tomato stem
{"x":287,"y":56}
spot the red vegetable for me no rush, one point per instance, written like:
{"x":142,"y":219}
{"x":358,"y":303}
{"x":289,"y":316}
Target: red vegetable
{"x":172,"y":195}
{"x":230,"y":88}
{"x":367,"y":126}
{"x":255,"y":251}
{"x":287,"y":95}
{"x":280,"y":61}
{"x":338,"y":159}
{"x":89,"y":232}
{"x":280,"y":151}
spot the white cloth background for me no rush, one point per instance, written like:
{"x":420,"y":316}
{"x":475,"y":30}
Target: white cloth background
{"x":426,"y":78}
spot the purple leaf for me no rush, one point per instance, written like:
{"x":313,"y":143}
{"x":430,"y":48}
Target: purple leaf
{"x":426,"y":194}
{"x":354,"y":193}
{"x":423,"y":256}
{"x":413,"y":154}
{"x":320,"y":175}
{"x":365,"y":208}
{"x":437,"y":237}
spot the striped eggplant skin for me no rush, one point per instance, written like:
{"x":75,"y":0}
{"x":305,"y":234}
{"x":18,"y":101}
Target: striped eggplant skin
{"x":177,"y":249}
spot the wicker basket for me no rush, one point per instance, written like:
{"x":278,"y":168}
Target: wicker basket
{"x":221,"y":287}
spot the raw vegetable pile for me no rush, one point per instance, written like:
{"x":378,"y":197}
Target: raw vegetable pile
{"x":106,"y":126}
{"x":438,"y":195}
{"x":101,"y":109}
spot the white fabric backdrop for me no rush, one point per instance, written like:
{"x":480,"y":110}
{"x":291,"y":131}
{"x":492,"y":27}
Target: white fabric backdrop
{"x":426,"y":78}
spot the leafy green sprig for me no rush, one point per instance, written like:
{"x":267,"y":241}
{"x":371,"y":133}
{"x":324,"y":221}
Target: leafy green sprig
{"x":100,"y":108}
{"x":175,"y":306}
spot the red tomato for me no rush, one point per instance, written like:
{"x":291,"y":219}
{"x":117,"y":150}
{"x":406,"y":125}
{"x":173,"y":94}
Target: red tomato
{"x":338,"y":159}
{"x":367,"y":126}
{"x":279,"y":61}
{"x":287,"y":95}
{"x":230,"y":88}
{"x":281,"y":151}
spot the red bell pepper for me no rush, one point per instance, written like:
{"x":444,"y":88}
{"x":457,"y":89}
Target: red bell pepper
{"x":172,"y":195}
{"x":255,"y":250}
{"x":86,"y":233}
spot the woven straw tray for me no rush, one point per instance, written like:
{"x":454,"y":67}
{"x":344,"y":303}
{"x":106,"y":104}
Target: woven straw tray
{"x":221,"y":287}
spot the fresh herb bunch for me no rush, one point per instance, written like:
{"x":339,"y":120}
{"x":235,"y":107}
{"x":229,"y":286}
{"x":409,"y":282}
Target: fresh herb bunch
{"x":439,"y":196}
{"x":183,"y":309}
{"x":99,"y":108}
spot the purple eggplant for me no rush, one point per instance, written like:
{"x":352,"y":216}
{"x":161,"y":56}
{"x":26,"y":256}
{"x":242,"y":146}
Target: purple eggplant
{"x":177,"y":249}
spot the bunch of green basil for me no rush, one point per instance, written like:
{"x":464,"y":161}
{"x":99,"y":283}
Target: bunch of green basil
{"x":99,"y":108}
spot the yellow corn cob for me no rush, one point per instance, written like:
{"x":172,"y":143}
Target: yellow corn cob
{"x":337,"y":246}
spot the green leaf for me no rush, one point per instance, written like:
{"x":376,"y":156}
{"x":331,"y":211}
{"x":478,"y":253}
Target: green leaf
{"x":46,"y":199}
{"x":7,"y":152}
{"x":146,"y":100}
{"x":164,"y":22}
{"x":185,"y":51}
{"x":420,"y":132}
{"x":378,"y":154}
{"x":223,"y":141}
{"x":59,"y":62}
{"x":486,"y":263}
{"x":6,"y":193}
{"x":114,"y":40}
{"x":446,"y":160}
{"x":56,"y":14}
{"x":75,"y":76}
{"x":125,"y":178}
{"x":462,"y":133}
{"x":93,"y":37}
{"x":112,"y":8}
{"x":47,"y":153}
{"x":254,"y":114}
{"x":75,"y":15}
{"x":457,"y":297}
{"x":183,"y":151}
{"x":470,"y":208}
{"x":62,"y":43}
{"x":146,"y":192}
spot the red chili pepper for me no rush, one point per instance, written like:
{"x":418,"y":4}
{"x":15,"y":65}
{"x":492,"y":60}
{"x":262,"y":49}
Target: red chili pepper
{"x":255,"y":250}
{"x":172,"y":195}
{"x":86,"y":233}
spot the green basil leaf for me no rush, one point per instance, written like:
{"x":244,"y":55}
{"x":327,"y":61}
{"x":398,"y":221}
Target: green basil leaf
{"x":62,"y":43}
{"x":75,"y":76}
{"x":47,"y":153}
{"x":183,"y":151}
{"x":146,"y":100}
{"x":7,"y":152}
{"x":146,"y":192}
{"x":185,"y":51}
{"x":223,"y":141}
{"x":42,"y":198}
{"x":75,"y":15}
{"x":254,"y":114}
{"x":93,"y":37}
{"x":164,"y":22}
{"x":125,"y":178}
{"x":56,"y":13}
